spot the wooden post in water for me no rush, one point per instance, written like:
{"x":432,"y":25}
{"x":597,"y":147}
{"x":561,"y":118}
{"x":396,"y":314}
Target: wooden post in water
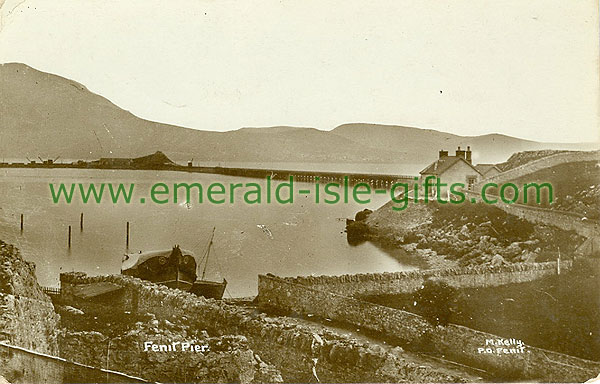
{"x":21,"y":222}
{"x":127,"y":237}
{"x":81,"y":222}
{"x":69,"y":236}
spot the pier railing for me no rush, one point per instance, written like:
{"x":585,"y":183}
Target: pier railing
{"x":51,"y":290}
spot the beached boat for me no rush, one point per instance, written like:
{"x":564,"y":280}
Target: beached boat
{"x":175,"y":268}
{"x":209,"y":289}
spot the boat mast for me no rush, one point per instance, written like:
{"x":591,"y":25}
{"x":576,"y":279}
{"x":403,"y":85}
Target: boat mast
{"x":208,"y":252}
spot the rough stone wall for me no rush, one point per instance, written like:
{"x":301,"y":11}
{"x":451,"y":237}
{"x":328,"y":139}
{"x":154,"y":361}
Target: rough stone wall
{"x":228,"y":360}
{"x":409,"y":281}
{"x":27,"y":317}
{"x":563,"y":220}
{"x":568,"y":221}
{"x":536,"y":165}
{"x":289,"y":346}
{"x":453,"y":341}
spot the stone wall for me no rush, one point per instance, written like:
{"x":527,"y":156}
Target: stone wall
{"x":539,"y":164}
{"x":227,"y":360}
{"x":409,"y":281}
{"x":561,"y":219}
{"x":27,"y":317}
{"x":455,"y":342}
{"x":568,"y":221}
{"x":289,"y":346}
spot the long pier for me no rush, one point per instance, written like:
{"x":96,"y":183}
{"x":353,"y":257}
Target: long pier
{"x":373,"y":179}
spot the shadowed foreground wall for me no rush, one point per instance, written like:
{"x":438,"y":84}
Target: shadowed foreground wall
{"x":19,"y":366}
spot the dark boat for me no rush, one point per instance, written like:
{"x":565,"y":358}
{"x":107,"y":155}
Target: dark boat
{"x":175,"y":268}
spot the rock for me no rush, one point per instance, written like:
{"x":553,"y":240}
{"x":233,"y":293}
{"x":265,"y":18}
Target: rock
{"x":397,"y":351}
{"x":73,"y":310}
{"x":512,"y":250}
{"x":356,"y":232}
{"x":497,"y":260}
{"x":362,"y":215}
{"x":529,"y":257}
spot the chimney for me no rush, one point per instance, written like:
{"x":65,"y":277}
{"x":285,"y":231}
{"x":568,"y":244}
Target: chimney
{"x":468,"y":158}
{"x":460,"y":153}
{"x":443,"y":153}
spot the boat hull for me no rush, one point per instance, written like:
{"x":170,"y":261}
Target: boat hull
{"x":209,"y":289}
{"x":183,"y":281}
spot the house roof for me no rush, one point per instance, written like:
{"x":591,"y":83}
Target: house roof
{"x":484,"y":168}
{"x":441,"y":165}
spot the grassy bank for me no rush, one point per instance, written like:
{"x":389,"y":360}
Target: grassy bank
{"x":559,"y":313}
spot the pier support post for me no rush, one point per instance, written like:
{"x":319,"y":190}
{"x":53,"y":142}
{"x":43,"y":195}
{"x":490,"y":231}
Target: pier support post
{"x":127,"y":236}
{"x":81,"y":222}
{"x":21,"y":222}
{"x":69,"y":241}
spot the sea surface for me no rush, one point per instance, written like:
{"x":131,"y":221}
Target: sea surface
{"x":301,"y":238}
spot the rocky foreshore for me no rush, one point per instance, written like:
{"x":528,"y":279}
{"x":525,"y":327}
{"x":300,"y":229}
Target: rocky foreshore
{"x":469,"y":234}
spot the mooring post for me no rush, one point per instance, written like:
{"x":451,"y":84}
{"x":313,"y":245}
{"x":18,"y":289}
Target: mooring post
{"x":69,"y":236}
{"x":81,"y":222}
{"x":21,"y":222}
{"x":127,"y":237}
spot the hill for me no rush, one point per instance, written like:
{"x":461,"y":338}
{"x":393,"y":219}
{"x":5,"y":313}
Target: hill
{"x":575,"y":188}
{"x":424,"y":143}
{"x":521,"y":158}
{"x":46,"y":115}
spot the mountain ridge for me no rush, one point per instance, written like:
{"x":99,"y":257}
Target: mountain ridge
{"x":43,"y":114}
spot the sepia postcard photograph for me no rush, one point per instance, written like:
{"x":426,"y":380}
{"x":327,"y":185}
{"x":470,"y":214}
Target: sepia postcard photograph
{"x":299,"y":191}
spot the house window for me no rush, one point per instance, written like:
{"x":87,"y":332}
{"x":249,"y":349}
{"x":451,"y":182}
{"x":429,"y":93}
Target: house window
{"x":471,"y":180}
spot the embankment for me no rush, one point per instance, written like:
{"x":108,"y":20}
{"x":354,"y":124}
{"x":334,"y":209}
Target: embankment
{"x":455,"y":342}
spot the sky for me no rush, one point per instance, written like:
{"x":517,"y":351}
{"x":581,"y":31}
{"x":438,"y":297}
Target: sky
{"x":522,"y":68}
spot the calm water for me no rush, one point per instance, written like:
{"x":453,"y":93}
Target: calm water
{"x":372,"y":168}
{"x":302,"y":239}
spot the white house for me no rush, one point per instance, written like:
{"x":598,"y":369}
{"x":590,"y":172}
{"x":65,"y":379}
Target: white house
{"x":451,"y":170}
